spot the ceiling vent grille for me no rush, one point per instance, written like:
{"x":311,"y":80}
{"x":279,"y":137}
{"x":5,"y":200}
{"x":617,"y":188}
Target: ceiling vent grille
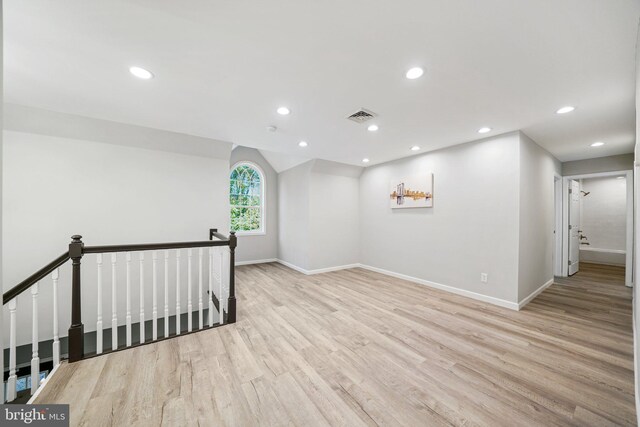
{"x":362,"y":115}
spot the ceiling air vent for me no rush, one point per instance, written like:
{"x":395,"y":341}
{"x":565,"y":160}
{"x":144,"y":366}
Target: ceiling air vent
{"x":362,"y":116}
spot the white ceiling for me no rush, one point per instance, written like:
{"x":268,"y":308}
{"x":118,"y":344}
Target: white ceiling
{"x":281,"y":161}
{"x":223,"y":67}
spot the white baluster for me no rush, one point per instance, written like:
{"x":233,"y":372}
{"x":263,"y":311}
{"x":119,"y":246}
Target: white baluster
{"x":225,"y":277}
{"x":11,"y":382}
{"x":210,"y":300}
{"x":200,"y":305}
{"x":129,"y":299}
{"x":154,"y":312}
{"x":35,"y":359}
{"x":141,"y":297}
{"x":178,"y":308}
{"x":99,"y":320}
{"x":189,"y":283}
{"x":114,"y":303}
{"x":221,"y":290}
{"x":56,"y":338}
{"x":166,"y":293}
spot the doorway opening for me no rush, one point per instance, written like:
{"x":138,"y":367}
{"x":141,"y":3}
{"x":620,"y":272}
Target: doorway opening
{"x":597,"y":222}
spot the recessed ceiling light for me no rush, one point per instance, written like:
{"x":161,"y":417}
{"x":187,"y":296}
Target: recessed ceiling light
{"x":141,"y":73}
{"x":415,"y":148}
{"x":283,"y":111}
{"x":415,"y":73}
{"x":565,"y":110}
{"x":365,"y":160}
{"x":484,"y":130}
{"x":597,"y":144}
{"x":302,"y":144}
{"x":621,"y":177}
{"x":372,"y":128}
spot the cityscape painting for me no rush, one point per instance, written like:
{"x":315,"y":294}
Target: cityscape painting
{"x":412,"y":192}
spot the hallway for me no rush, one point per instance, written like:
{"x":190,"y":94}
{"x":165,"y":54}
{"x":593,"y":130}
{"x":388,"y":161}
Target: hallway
{"x":354,"y":347}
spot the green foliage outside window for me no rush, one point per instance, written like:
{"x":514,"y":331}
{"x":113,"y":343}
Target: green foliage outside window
{"x":245,"y":198}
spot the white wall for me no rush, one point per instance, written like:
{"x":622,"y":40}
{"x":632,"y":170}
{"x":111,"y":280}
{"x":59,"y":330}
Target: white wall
{"x":1,"y":197}
{"x":293,"y":219}
{"x":319,"y":215}
{"x":334,"y":215}
{"x":111,"y":194}
{"x":472,"y":228}
{"x":537,"y":217}
{"x":599,"y":164}
{"x":604,"y":212}
{"x":260,"y":247}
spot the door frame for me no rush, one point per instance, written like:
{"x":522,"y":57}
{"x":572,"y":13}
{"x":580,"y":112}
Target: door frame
{"x":628,"y":174}
{"x":557,"y":227}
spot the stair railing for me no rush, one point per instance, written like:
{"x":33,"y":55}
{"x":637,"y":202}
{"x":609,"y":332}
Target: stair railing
{"x":220,"y":282}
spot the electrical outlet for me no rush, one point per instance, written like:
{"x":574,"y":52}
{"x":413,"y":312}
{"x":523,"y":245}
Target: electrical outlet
{"x":484,"y":277}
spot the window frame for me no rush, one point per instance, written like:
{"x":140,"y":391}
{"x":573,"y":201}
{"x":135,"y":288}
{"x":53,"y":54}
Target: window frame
{"x":263,"y":207}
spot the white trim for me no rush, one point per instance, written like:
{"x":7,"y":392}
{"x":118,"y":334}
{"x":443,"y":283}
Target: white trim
{"x":293,"y":267}
{"x":319,"y":270}
{"x":565,"y":227}
{"x":336,"y":268}
{"x":534,"y":294}
{"x":479,"y":297}
{"x":557,"y":227}
{"x":462,"y":292}
{"x":263,"y":205}
{"x":257,"y":261}
{"x":597,"y":174}
{"x":44,"y":384}
{"x":629,"y":267}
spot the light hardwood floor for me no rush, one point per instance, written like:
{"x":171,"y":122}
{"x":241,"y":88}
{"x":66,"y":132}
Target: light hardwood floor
{"x":358,"y":348}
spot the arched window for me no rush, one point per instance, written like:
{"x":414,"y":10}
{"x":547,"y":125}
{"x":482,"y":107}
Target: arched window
{"x":246,"y":197}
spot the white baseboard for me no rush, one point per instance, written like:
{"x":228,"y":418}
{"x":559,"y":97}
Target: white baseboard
{"x":257,"y":261}
{"x":319,"y":270}
{"x":451,"y":289}
{"x":293,"y":267}
{"x":534,"y":294}
{"x":43,"y":385}
{"x":462,"y":292}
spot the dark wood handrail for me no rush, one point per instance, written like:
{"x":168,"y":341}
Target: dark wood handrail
{"x":35,"y":277}
{"x":47,"y":269}
{"x":213,"y":232}
{"x":153,"y":246}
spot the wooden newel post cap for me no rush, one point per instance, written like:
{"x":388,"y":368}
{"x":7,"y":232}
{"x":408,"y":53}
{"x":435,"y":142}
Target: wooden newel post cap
{"x":76,"y":247}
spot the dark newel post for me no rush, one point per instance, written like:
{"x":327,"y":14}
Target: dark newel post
{"x":76,"y":330}
{"x":233,"y":242}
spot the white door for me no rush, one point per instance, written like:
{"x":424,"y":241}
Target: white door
{"x":574,"y":227}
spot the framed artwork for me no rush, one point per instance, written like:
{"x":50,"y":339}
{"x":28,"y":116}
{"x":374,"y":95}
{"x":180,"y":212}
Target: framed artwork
{"x":412,"y":192}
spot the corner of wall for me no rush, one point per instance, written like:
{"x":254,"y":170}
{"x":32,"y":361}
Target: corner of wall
{"x":293,"y":218}
{"x":536,"y":200}
{"x":636,"y":258}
